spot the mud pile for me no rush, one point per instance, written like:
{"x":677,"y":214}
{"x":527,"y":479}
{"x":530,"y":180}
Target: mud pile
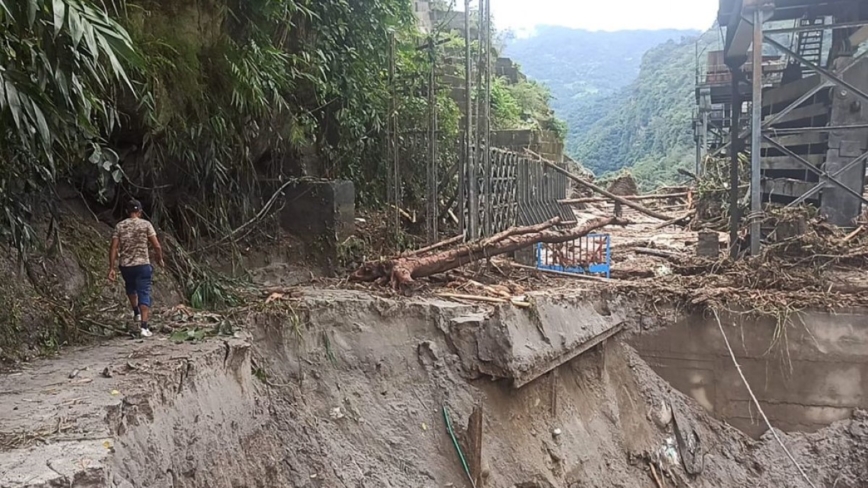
{"x":344,"y":389}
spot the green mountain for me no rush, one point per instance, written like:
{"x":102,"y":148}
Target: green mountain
{"x":585,"y":70}
{"x":650,"y":131}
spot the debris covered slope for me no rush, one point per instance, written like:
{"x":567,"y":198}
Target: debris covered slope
{"x":340,"y":388}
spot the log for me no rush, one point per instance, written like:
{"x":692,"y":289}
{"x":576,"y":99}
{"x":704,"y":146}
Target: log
{"x":635,"y":198}
{"x":605,"y":193}
{"x":517,"y":231}
{"x":674,"y":221}
{"x":553,"y":272}
{"x":659,"y":253}
{"x":402,"y":271}
{"x":472,"y":298}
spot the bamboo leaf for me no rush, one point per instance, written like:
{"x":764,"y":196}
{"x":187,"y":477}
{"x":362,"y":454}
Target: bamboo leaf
{"x":76,"y":30}
{"x":59,"y":7}
{"x":116,"y":65}
{"x":32,"y":8}
{"x":14,"y":104}
{"x":90,"y":39}
{"x":42,"y":125}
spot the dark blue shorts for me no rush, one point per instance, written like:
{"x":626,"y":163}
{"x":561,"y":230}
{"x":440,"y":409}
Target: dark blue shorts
{"x":137,"y":280}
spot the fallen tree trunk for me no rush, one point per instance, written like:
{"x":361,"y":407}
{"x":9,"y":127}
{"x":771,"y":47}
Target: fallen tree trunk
{"x":607,"y":194}
{"x":404,"y":270}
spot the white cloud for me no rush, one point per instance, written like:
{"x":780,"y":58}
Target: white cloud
{"x":607,"y":15}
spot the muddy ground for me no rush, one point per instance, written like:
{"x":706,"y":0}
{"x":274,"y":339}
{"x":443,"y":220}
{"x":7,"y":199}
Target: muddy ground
{"x":343,"y":389}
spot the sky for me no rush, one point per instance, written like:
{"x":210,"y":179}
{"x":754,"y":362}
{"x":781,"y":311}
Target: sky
{"x":522,"y":16}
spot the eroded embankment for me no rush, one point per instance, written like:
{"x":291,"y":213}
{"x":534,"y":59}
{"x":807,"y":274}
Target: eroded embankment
{"x":344,"y":389}
{"x":808,"y":370}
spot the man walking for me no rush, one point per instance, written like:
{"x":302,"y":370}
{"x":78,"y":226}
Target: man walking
{"x":130,"y":241}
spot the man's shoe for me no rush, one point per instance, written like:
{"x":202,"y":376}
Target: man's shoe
{"x":147,"y":333}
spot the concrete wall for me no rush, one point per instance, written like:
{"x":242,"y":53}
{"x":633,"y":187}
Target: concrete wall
{"x":816,"y":373}
{"x":543,"y":143}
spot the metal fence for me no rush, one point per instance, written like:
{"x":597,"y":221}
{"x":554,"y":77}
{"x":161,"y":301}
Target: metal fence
{"x":523,"y":191}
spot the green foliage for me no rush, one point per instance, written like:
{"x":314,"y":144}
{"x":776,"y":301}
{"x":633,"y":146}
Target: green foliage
{"x":651,"y":130}
{"x":60,"y":62}
{"x":505,"y":111}
{"x":585,"y":70}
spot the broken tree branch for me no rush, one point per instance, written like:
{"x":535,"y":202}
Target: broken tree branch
{"x":560,"y":273}
{"x":434,"y":247}
{"x":472,"y":298}
{"x":634,"y":198}
{"x":404,"y":270}
{"x":612,"y":196}
{"x":515,"y":231}
{"x":674,"y":221}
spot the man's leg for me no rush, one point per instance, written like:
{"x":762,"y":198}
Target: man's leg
{"x":129,"y":275}
{"x":143,"y":290}
{"x":134,"y":303}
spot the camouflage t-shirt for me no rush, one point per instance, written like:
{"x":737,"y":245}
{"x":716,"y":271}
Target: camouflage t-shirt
{"x":133,"y":235}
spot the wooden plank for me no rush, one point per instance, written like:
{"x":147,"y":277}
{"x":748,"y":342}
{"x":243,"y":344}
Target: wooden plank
{"x":798,"y":139}
{"x":786,"y":187}
{"x":790,"y":163}
{"x":815,"y":110}
{"x":790,"y":92}
{"x":474,"y":439}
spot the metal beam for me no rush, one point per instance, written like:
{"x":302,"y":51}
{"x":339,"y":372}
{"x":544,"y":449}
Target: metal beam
{"x":810,"y":28}
{"x":810,"y":167}
{"x":756,"y":135}
{"x":804,"y":98}
{"x":828,"y":128}
{"x":789,"y":108}
{"x":813,"y":191}
{"x":823,"y":72}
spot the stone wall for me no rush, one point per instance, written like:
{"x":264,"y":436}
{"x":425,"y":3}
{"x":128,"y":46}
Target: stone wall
{"x":546,"y":144}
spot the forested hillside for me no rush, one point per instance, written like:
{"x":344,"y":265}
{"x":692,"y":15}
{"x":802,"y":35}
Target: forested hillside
{"x":650,"y":131}
{"x":585,"y":70}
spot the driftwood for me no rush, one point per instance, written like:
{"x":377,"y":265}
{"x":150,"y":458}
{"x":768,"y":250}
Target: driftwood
{"x":607,"y":194}
{"x":673,"y":256}
{"x":403,"y":270}
{"x":561,"y":273}
{"x":674,"y":221}
{"x":635,"y":198}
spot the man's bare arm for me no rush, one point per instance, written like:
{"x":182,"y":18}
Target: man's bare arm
{"x":113,"y":257}
{"x":158,"y":250}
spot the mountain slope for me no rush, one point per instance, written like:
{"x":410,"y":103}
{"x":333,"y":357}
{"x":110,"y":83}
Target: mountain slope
{"x":651,"y":129}
{"x":585,"y":70}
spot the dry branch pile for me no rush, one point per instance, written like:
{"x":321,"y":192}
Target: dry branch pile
{"x":404,"y":269}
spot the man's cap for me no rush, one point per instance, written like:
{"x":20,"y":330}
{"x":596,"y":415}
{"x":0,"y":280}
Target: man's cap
{"x":134,"y":206}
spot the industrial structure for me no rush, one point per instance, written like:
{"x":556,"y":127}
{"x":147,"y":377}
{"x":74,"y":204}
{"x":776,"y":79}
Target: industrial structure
{"x":807,"y":111}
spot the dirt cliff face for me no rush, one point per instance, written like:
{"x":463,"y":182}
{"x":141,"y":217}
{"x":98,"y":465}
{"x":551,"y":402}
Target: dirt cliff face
{"x":344,"y":389}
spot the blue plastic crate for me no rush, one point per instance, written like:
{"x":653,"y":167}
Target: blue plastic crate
{"x":591,"y":254}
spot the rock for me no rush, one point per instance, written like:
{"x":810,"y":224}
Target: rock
{"x":556,"y":433}
{"x":662,"y":415}
{"x":336,"y":413}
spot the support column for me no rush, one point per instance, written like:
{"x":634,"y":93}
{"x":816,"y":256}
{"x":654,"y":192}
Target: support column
{"x":734,"y":149}
{"x":839,"y":206}
{"x":756,"y":140}
{"x":472,"y":151}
